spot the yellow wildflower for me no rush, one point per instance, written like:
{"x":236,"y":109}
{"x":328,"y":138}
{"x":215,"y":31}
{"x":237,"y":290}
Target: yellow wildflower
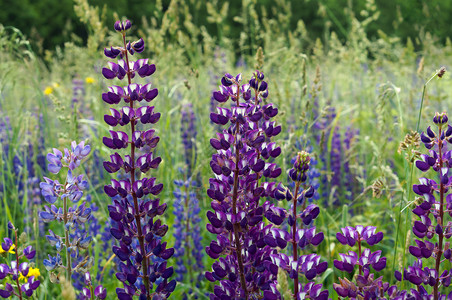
{"x":48,"y":90}
{"x":56,"y":85}
{"x":31,"y":272}
{"x":11,"y":250}
{"x":90,"y":80}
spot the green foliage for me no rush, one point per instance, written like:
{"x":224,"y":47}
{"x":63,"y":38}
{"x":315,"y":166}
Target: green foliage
{"x":245,"y":23}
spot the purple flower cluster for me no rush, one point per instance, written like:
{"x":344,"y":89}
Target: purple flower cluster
{"x":243,"y":150}
{"x":434,"y":226}
{"x":71,"y":158}
{"x":71,"y":189}
{"x":335,"y":160}
{"x":313,"y":174}
{"x":189,"y":250}
{"x":188,"y":134}
{"x":99,"y":292}
{"x":301,"y":235}
{"x":141,"y":250}
{"x":366,"y":285}
{"x":16,"y":269}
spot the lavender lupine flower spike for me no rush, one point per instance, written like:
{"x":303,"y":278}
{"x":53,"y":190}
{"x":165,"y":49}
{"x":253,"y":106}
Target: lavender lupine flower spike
{"x":244,"y":267}
{"x":434,"y":226}
{"x":141,"y":249}
{"x":82,"y":279}
{"x":71,"y":189}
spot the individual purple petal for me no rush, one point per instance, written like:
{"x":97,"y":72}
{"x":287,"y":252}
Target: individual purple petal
{"x":4,"y":270}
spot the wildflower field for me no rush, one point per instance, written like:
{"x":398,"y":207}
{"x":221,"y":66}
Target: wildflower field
{"x":164,"y":161}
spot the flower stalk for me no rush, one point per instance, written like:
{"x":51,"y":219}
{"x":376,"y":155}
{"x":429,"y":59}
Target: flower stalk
{"x":71,"y":190}
{"x":243,"y":268}
{"x":436,"y":204}
{"x":132,"y":211}
{"x":301,"y":236}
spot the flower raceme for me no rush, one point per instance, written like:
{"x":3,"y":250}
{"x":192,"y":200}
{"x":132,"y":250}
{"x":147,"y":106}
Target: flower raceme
{"x":72,"y":189}
{"x":434,"y":226}
{"x":366,"y":285}
{"x":71,"y":158}
{"x":243,"y":151}
{"x":142,"y":251}
{"x":301,"y":235}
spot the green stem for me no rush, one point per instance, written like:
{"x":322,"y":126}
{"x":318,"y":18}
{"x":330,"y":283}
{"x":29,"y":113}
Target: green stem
{"x":91,"y":288}
{"x":422,"y":99}
{"x":66,"y":239}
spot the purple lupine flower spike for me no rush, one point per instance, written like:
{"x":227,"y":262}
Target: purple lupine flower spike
{"x":243,"y":156}
{"x":366,"y":285}
{"x":301,"y":235}
{"x":342,"y":182}
{"x":135,"y":207}
{"x":434,"y":225}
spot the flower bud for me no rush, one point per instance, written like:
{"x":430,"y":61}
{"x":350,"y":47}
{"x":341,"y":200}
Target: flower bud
{"x":440,"y":119}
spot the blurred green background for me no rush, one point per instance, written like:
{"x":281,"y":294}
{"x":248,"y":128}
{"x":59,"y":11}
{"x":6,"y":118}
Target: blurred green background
{"x":50,"y":23}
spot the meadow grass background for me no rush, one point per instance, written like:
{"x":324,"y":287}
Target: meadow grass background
{"x":374,"y":83}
